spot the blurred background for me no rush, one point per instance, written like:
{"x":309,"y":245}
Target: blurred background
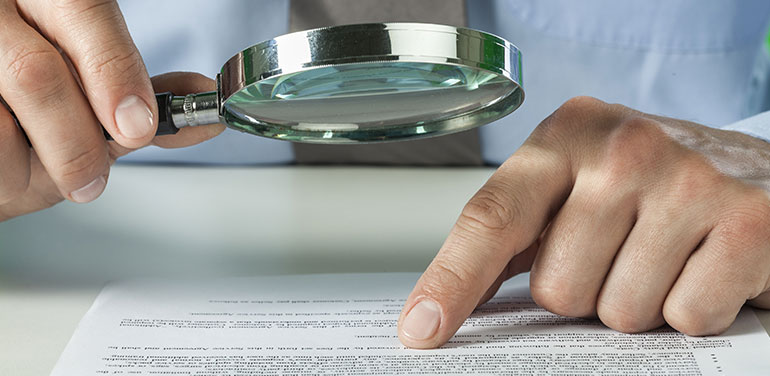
{"x":182,"y":221}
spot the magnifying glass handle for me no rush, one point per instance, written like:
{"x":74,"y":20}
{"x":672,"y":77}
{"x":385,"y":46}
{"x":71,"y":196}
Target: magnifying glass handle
{"x":175,"y":112}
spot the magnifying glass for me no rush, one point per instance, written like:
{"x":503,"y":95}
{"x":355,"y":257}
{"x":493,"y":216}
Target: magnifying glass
{"x":362,"y":83}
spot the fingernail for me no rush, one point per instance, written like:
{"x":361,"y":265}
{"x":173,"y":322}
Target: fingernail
{"x":422,"y":321}
{"x":133,"y":117}
{"x":90,"y":191}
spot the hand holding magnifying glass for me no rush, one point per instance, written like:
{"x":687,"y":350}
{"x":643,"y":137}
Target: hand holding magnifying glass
{"x":354,"y":84}
{"x":358,"y":84}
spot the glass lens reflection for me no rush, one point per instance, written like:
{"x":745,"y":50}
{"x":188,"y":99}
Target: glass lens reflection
{"x":362,"y":102}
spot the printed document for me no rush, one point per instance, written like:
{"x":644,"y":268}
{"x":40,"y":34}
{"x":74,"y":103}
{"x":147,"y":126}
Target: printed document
{"x":345,"y":324}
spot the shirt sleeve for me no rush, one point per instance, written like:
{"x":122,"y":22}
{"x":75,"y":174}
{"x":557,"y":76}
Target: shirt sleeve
{"x":757,"y":126}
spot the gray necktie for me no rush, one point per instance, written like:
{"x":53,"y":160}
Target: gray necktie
{"x":460,"y":149}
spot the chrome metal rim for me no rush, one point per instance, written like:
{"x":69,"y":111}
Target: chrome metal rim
{"x":376,"y":42}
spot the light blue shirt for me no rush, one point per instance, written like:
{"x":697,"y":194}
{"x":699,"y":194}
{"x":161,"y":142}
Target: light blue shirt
{"x":699,"y":60}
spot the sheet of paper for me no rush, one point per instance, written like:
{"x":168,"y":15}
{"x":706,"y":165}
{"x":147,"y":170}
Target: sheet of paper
{"x":345,"y":324}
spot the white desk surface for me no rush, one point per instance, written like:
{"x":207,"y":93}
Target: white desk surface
{"x":208,"y":222}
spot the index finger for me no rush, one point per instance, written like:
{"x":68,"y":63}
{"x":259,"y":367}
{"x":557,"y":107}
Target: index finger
{"x":504,"y":217}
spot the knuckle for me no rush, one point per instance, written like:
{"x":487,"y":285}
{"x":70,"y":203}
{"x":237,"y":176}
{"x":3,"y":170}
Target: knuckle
{"x":638,"y":134}
{"x":635,"y":143}
{"x":575,"y":122}
{"x":35,"y":69}
{"x":489,"y":209}
{"x":693,"y":322}
{"x":579,"y":110}
{"x":118,"y":62}
{"x":688,"y":182}
{"x":555,"y":129}
{"x":581,"y":104}
{"x":692,"y":179}
{"x":626,"y":317}
{"x":79,"y":168}
{"x":747,"y":225}
{"x":558,"y":297}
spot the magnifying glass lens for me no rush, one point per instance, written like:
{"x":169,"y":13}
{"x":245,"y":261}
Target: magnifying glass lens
{"x":373,"y":101}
